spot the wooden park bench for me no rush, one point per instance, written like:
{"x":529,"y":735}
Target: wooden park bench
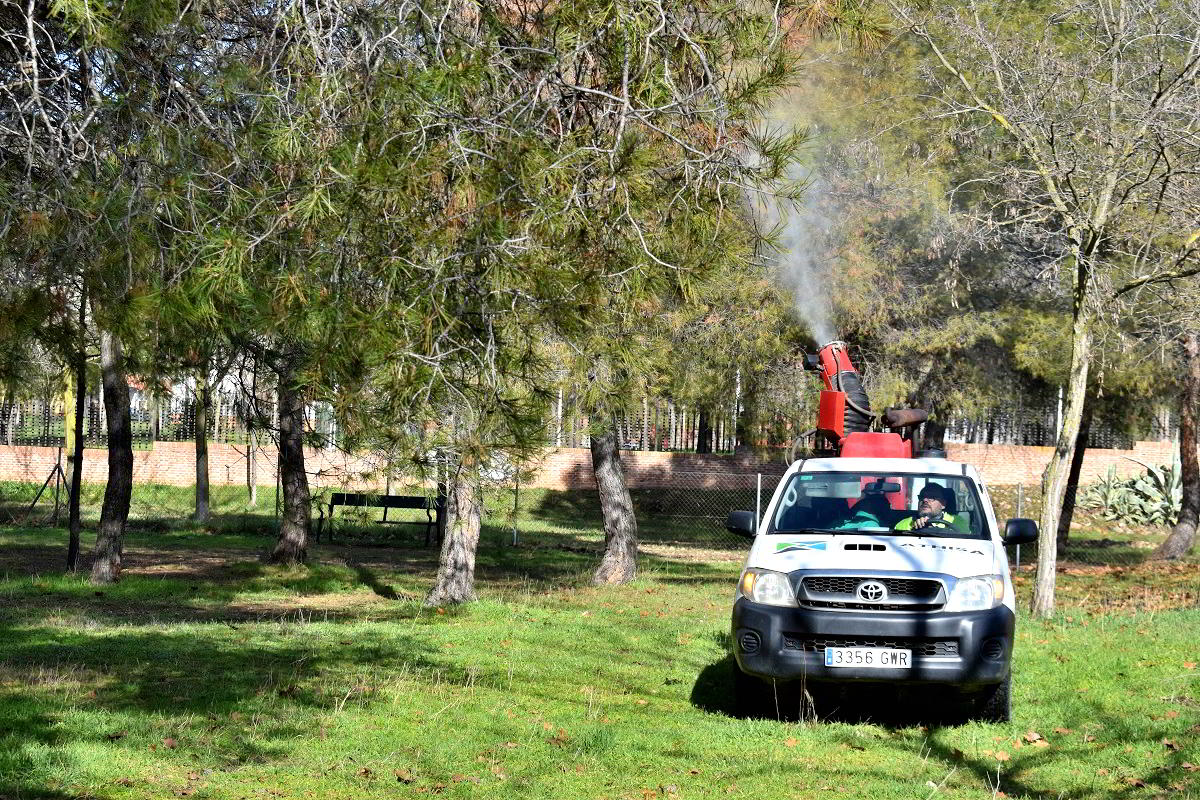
{"x":431,"y":506}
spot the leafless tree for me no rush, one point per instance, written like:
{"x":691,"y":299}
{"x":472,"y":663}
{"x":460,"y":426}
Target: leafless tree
{"x":1085,"y":123}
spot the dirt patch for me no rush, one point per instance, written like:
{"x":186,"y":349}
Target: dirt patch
{"x":38,"y":560}
{"x":691,"y":553}
{"x":317,"y":607}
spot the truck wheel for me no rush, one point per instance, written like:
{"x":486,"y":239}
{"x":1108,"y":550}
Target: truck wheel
{"x":995,"y":704}
{"x":749,"y":695}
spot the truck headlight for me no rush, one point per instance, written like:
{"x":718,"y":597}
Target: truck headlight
{"x":976,"y":594}
{"x":766,"y":587}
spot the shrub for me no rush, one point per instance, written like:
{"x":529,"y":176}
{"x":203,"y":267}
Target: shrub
{"x":1152,"y":498}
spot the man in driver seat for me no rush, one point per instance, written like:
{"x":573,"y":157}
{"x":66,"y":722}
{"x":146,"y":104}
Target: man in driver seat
{"x":931,"y":512}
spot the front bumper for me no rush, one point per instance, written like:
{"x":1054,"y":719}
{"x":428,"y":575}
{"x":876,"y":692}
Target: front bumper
{"x":786,"y":649}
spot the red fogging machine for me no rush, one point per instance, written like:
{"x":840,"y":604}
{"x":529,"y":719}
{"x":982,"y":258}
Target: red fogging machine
{"x":845,"y":421}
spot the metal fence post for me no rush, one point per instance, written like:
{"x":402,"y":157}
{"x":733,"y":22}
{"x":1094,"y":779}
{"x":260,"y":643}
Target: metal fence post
{"x":1020,"y":503}
{"x":758,"y":501}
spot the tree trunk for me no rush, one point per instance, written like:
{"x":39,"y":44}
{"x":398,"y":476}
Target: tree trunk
{"x":106,"y":567}
{"x":704,"y":434}
{"x":1054,"y":480}
{"x":75,"y":456}
{"x":619,"y":564}
{"x":455,"y":582}
{"x":1081,"y":440}
{"x":292,"y":545}
{"x":1183,"y":536}
{"x":203,"y":403}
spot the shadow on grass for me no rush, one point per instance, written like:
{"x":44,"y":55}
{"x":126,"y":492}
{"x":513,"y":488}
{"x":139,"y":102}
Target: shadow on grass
{"x":1114,"y":731}
{"x":879,"y":705}
{"x":369,"y":578}
{"x":24,"y":731}
{"x":938,"y":717}
{"x":200,"y":687}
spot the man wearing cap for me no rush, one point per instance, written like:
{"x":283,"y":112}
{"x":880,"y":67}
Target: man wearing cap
{"x":931,"y":512}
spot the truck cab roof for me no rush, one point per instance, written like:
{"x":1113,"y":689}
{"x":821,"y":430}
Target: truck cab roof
{"x":933,"y":466}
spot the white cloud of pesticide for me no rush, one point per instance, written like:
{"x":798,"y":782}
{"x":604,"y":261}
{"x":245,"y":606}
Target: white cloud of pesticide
{"x":797,"y":232}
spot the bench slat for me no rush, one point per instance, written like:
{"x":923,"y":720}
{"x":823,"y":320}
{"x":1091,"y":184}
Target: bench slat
{"x":381,"y":500}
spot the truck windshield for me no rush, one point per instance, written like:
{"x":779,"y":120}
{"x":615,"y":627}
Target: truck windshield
{"x":901,"y":504}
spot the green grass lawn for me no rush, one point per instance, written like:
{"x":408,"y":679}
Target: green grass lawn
{"x":207,"y":674}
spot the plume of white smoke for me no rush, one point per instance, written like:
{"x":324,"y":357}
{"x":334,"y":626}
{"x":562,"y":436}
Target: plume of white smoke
{"x":797,"y":233}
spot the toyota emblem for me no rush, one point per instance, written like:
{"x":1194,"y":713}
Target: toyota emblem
{"x":872,"y":591}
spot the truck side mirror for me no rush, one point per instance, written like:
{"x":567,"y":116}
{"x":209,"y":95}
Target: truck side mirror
{"x":742,"y":523}
{"x":1020,"y":531}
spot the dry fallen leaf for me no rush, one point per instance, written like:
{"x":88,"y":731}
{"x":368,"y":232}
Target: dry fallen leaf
{"x":170,"y":743}
{"x":791,"y":741}
{"x":1002,"y":755}
{"x":404,"y":776}
{"x":1167,"y":743}
{"x":112,"y":737}
{"x":1033,"y":736}
{"x":1189,"y":665}
{"x":1062,"y":730}
{"x":1089,"y":738}
{"x":1171,"y":714}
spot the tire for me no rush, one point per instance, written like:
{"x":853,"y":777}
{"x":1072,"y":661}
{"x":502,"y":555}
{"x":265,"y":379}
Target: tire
{"x":749,"y":695}
{"x":995,"y":704}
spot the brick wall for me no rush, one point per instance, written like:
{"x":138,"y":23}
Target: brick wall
{"x":173,"y":463}
{"x":1008,"y":465}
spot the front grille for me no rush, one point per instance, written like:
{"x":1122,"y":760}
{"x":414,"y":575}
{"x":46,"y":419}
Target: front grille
{"x":919,"y":646}
{"x":915,"y":588}
{"x":871,"y":606}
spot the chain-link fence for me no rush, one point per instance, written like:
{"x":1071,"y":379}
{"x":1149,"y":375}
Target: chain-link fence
{"x":689,"y":511}
{"x":680,"y":512}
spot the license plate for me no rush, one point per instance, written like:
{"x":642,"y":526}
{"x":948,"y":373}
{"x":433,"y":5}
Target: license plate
{"x":870,"y":657}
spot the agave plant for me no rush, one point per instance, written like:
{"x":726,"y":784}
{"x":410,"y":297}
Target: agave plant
{"x":1160,"y":490}
{"x":1152,"y":498}
{"x":1104,"y":493}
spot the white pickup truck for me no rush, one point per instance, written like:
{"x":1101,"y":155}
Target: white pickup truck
{"x":856,"y":575}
